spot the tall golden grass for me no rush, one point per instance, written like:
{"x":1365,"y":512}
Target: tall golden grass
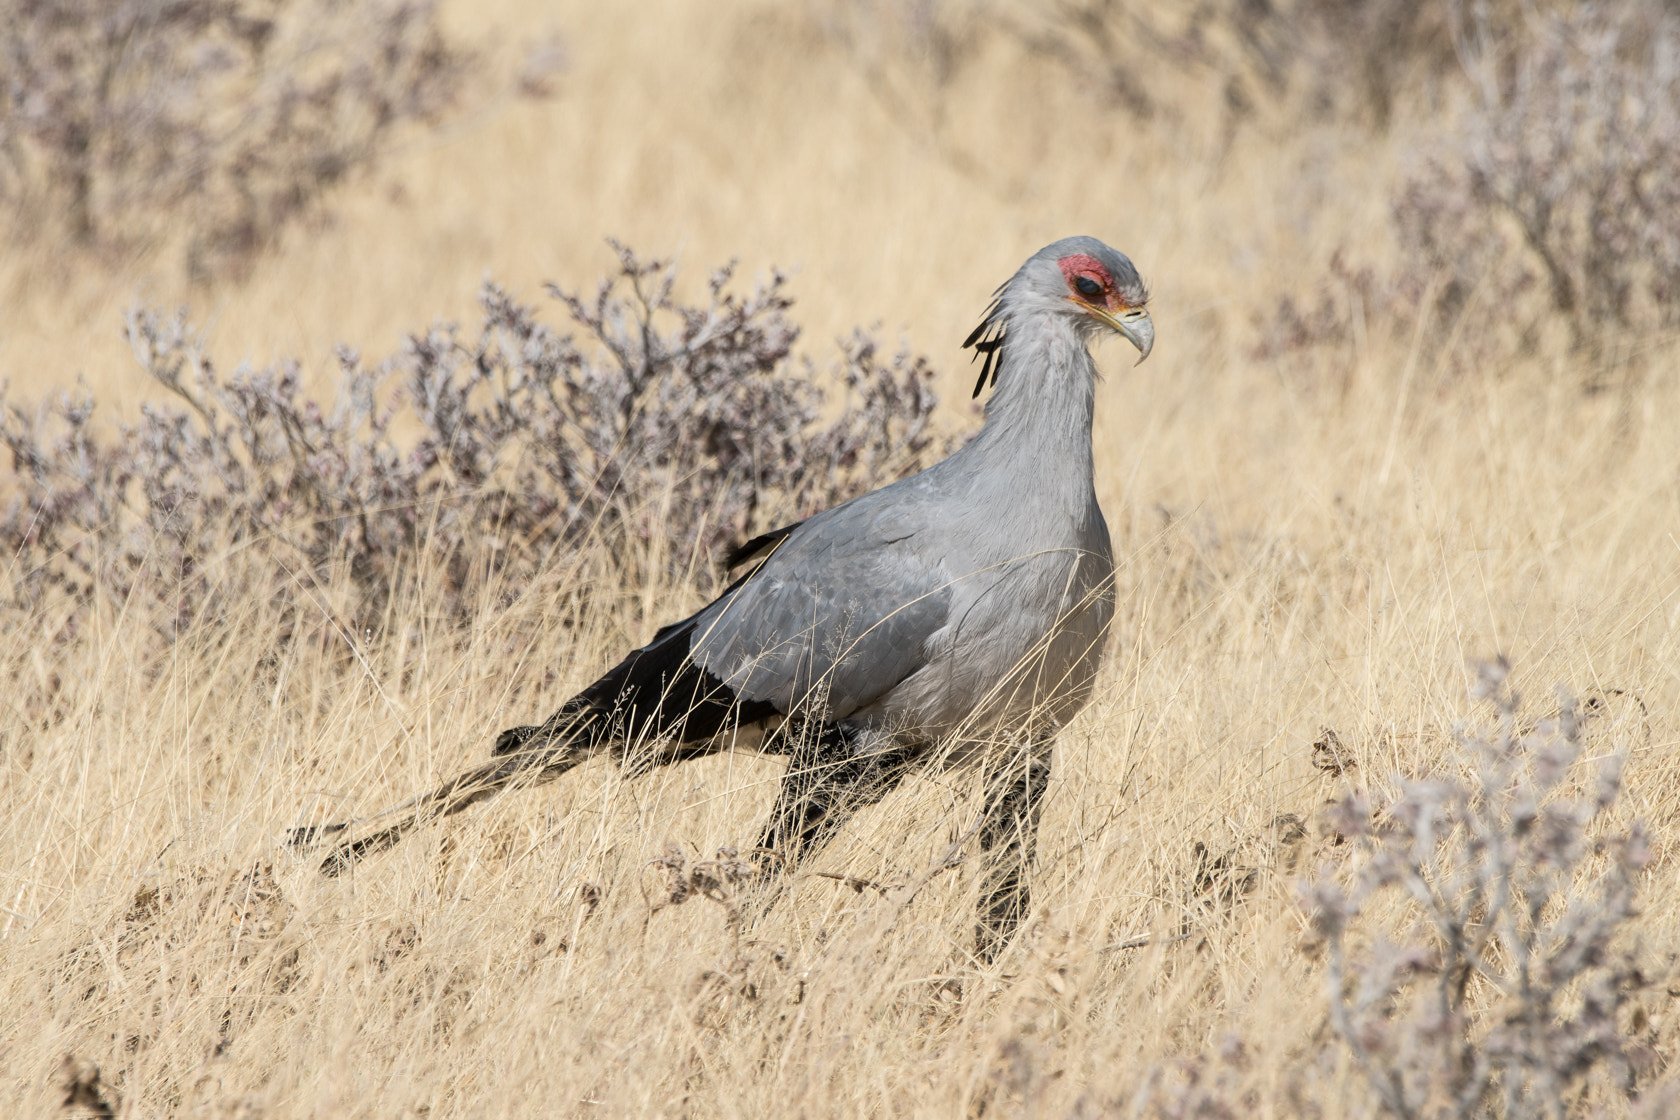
{"x":1298,"y":552}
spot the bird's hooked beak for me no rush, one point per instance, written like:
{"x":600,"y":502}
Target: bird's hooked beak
{"x":1132,"y":322}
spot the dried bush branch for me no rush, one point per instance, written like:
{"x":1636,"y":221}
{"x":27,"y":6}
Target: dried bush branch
{"x":1314,"y":57}
{"x":684,"y":428}
{"x":121,"y":120}
{"x":1550,"y":211}
{"x":1521,"y":894}
{"x":1567,"y":179}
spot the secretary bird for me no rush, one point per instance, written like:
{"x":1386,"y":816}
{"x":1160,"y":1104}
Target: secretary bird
{"x":957,"y":615}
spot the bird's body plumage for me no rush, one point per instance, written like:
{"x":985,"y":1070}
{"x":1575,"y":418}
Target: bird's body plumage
{"x":962,"y":606}
{"x":971,"y":596}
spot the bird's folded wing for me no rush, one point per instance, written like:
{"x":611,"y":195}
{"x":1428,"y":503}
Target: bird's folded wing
{"x":840,"y":611}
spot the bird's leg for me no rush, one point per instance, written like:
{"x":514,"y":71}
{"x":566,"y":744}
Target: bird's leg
{"x":1014,"y":800}
{"x":825,"y":784}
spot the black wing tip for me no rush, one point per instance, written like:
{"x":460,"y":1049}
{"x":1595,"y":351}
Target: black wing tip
{"x":764,"y":543}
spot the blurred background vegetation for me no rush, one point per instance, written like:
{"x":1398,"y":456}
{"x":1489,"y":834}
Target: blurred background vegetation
{"x":1320,"y":187}
{"x":1292,"y":173}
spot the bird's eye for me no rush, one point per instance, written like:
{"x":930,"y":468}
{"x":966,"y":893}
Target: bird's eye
{"x":1088,"y":287}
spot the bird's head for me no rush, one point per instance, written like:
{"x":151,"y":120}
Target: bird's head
{"x":1098,"y":287}
{"x":1076,"y":278}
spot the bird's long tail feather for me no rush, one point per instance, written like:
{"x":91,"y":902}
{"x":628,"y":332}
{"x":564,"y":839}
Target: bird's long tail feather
{"x":655,"y":695}
{"x":541,"y":758}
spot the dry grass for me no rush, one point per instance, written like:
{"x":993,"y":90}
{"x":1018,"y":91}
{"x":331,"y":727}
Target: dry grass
{"x":1300,"y":551}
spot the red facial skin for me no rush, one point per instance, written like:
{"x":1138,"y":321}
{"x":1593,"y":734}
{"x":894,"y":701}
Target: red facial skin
{"x":1081,"y":265}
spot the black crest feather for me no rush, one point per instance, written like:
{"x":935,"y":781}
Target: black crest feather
{"x":986,"y":341}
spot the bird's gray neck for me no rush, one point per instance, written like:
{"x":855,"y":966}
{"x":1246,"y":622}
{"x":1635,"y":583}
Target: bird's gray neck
{"x":1039,"y":417}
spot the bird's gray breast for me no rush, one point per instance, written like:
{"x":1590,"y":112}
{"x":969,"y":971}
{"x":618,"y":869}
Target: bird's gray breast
{"x":1023,"y":642}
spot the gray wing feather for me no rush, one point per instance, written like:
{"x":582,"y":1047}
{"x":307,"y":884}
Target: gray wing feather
{"x":845,"y":604}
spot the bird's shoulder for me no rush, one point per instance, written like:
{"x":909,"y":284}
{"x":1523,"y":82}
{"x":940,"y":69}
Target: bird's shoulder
{"x":882,"y":518}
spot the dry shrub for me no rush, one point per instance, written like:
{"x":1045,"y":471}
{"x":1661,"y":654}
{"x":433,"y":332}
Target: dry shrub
{"x":119,"y":121}
{"x":1474,"y":936}
{"x":1515,"y":989}
{"x":668,"y":431}
{"x":1564,"y":181}
{"x":1350,"y":59}
{"x":1326,"y":328}
{"x":1341,"y":57}
{"x":1542,"y":209}
{"x":1545,"y":218}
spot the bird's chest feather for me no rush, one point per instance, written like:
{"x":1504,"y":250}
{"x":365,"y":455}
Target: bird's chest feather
{"x":1022,"y":605}
{"x":1024,"y":640}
